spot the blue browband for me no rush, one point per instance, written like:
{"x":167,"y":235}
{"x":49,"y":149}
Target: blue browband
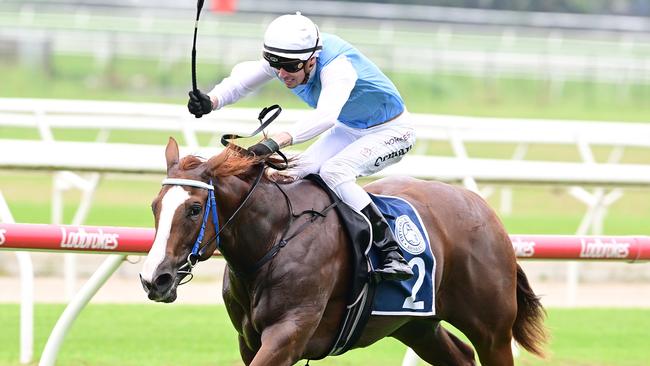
{"x":211,"y":206}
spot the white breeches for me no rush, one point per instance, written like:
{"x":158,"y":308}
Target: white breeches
{"x":344,"y":153}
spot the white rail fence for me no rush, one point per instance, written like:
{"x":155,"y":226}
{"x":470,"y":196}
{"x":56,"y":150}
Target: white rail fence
{"x":595,"y":183}
{"x":458,"y":132}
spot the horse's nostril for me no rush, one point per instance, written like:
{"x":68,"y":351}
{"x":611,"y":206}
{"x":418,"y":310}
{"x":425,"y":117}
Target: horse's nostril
{"x":163,"y":282}
{"x":145,"y":284}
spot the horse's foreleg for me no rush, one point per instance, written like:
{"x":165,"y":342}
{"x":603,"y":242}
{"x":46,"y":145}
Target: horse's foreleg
{"x":282,"y":344}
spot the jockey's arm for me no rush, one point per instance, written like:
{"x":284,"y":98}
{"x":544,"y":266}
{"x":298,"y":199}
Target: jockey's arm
{"x":337,"y":81}
{"x":244,"y":78}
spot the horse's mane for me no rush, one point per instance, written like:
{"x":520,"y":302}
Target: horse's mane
{"x":189,"y":162}
{"x":228,"y":162}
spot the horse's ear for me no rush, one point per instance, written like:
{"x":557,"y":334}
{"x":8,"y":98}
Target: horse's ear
{"x":171,"y":153}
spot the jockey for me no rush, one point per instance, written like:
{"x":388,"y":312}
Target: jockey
{"x":358,"y":111}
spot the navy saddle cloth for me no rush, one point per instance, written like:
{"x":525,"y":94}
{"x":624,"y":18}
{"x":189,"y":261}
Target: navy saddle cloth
{"x":367,"y":295}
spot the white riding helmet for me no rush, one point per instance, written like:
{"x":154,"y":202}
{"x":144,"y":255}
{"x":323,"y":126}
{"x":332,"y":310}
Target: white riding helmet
{"x":293,"y":36}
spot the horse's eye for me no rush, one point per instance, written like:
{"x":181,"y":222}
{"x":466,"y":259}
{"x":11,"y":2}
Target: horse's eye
{"x":195,"y":210}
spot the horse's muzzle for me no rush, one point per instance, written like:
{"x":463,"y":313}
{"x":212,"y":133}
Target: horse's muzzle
{"x":162,"y":289}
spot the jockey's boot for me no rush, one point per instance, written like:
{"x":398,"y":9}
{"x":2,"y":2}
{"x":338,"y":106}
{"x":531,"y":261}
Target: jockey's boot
{"x":394,"y":266}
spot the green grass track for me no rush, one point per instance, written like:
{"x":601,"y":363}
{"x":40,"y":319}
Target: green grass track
{"x":157,"y":334}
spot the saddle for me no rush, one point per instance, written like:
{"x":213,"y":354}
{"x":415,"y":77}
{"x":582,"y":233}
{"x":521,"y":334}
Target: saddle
{"x":362,"y":291}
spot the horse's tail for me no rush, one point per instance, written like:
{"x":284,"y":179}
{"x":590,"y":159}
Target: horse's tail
{"x":529,"y":330}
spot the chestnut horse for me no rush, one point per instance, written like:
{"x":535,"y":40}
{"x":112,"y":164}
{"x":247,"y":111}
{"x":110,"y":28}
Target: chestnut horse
{"x":290,"y":306}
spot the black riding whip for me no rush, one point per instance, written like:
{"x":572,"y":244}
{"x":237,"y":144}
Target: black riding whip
{"x":199,"y":6}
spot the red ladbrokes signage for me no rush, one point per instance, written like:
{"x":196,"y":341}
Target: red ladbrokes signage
{"x":79,"y":238}
{"x":597,"y":248}
{"x":524,"y":248}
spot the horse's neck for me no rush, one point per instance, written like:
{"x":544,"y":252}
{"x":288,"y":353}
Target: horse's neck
{"x":255,"y":227}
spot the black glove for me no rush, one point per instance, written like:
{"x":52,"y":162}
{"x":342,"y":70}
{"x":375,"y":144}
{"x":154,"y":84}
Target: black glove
{"x":199,"y":103}
{"x":264,"y":148}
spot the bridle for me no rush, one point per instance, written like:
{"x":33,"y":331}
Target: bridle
{"x":198,"y":249}
{"x":198,"y":253}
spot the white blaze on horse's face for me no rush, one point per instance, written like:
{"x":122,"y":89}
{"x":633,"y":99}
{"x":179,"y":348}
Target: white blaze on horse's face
{"x":172,"y":199}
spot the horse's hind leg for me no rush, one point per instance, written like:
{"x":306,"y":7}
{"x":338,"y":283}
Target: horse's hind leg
{"x":493,"y":343}
{"x":490,"y":334}
{"x":435,"y":344}
{"x":494,"y":352}
{"x":487,"y":325}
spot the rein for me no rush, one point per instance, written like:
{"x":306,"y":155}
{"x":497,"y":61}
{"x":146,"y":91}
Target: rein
{"x":198,"y":249}
{"x":263,"y":125}
{"x":198,"y":253}
{"x":284,"y":239}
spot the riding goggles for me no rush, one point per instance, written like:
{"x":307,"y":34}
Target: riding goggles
{"x":288,"y":64}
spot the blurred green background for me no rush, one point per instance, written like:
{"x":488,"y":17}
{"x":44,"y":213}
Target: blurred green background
{"x":140,"y":80}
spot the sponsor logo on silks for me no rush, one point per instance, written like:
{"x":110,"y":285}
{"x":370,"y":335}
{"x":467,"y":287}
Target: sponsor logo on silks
{"x":408,"y":236}
{"x":81,"y":239}
{"x":524,"y":248}
{"x":2,"y":236}
{"x":392,"y":155}
{"x":394,"y":140}
{"x":600,"y":249}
